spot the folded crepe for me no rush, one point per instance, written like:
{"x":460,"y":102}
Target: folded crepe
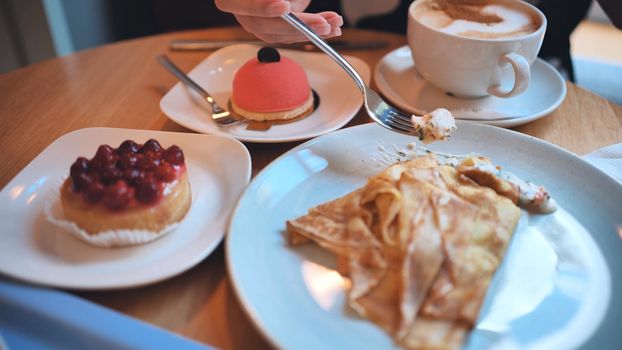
{"x":420,"y":243}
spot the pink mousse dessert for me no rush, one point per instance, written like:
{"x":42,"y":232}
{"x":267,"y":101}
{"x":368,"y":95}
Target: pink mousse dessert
{"x":271,"y":87}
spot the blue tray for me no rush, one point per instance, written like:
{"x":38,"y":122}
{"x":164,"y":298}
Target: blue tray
{"x":40,"y":318}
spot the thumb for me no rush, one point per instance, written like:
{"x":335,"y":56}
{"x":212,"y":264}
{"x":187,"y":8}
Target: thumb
{"x":299,"y":5}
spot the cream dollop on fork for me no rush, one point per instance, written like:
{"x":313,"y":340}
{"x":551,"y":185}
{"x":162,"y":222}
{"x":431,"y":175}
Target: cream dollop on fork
{"x":435,"y":126}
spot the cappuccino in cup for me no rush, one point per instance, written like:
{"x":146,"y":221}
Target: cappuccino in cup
{"x":486,"y":19}
{"x":475,"y":48}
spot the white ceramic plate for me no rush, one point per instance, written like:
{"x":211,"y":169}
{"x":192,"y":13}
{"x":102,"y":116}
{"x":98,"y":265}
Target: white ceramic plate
{"x":558,"y":288}
{"x":397,"y":80}
{"x":33,"y":250}
{"x":340,"y":100}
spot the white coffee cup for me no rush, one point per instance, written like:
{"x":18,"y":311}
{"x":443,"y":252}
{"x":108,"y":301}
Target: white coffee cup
{"x":471,"y":66}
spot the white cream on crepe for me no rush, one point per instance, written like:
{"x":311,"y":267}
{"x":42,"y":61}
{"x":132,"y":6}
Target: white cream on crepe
{"x":435,"y":126}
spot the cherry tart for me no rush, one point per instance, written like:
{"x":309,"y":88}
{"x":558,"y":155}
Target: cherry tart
{"x":134,"y":186}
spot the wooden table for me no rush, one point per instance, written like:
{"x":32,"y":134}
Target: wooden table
{"x":120,"y":85}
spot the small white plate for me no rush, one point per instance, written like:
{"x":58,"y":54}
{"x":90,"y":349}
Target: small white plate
{"x":398,"y":80}
{"x":34,"y":250}
{"x":340,"y":100}
{"x":559,"y":286}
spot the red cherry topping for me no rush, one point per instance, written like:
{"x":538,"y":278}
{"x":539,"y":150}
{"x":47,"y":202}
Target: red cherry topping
{"x":81,"y":165}
{"x":97,"y":164}
{"x":151,"y":145}
{"x":94,"y":192}
{"x":104,"y":158}
{"x":104,"y":151}
{"x":114,"y":176}
{"x":117,"y":195}
{"x":128,"y":146}
{"x":150,"y":161}
{"x":148,"y":190}
{"x":110,"y":175}
{"x":81,"y":181}
{"x":165,"y":172}
{"x":174,"y":155}
{"x":132,"y":176}
{"x":128,"y":160}
{"x":147,"y":175}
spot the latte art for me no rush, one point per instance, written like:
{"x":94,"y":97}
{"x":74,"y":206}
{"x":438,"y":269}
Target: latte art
{"x":477,"y":19}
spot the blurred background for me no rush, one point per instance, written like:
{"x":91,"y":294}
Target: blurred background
{"x":35,"y":30}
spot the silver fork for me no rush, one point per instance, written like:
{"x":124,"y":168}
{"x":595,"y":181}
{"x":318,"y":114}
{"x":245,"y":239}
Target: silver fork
{"x":381,"y":112}
{"x":220,"y":115}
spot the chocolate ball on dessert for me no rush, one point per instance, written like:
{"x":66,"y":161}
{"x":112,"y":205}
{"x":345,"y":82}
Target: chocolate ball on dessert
{"x":268,"y":54}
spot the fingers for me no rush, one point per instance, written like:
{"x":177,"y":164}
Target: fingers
{"x":335,"y":21}
{"x":273,"y":30}
{"x":261,"y":17}
{"x":261,"y":8}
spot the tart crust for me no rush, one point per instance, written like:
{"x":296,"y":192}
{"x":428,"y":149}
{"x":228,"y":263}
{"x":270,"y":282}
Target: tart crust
{"x":95,"y":218}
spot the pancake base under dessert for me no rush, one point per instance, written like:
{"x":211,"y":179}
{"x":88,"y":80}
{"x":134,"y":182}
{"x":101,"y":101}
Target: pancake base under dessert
{"x":263,"y":121}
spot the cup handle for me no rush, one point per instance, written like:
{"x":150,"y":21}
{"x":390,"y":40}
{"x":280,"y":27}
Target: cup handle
{"x":522,"y":74}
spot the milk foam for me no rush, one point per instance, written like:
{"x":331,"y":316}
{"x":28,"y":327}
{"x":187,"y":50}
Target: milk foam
{"x":514,"y":22}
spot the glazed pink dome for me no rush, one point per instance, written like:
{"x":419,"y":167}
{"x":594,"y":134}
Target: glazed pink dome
{"x":270,"y":86}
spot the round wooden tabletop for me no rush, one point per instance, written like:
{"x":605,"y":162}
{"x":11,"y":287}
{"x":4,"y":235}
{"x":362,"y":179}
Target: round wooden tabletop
{"x":120,"y":85}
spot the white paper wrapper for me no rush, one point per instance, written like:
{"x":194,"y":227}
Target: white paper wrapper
{"x":107,"y":239}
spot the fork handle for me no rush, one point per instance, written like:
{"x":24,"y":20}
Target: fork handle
{"x":185,"y":79}
{"x":324,"y":46}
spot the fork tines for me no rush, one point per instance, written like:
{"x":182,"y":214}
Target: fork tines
{"x":400,"y":121}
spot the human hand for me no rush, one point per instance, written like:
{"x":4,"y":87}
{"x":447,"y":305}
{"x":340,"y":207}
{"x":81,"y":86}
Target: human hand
{"x":262,"y":18}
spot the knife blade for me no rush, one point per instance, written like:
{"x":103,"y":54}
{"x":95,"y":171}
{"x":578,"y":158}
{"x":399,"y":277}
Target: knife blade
{"x":207,"y":44}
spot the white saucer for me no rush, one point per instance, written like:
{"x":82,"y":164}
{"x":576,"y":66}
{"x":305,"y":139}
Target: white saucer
{"x":340,"y":100}
{"x":398,"y":81}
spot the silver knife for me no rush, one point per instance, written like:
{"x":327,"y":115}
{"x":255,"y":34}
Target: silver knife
{"x":206,"y":44}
